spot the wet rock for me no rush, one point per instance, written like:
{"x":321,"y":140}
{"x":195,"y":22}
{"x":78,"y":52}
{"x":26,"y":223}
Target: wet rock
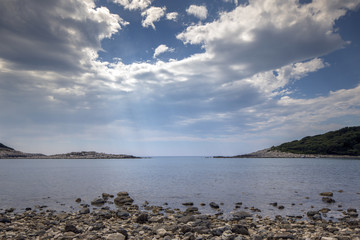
{"x":123,"y":215}
{"x":97,"y":201}
{"x":274,"y":204}
{"x":192,"y":210}
{"x":326,"y":194}
{"x":312,"y":213}
{"x":123,"y":198}
{"x":241,"y":215}
{"x":105,"y":196}
{"x":84,"y":210}
{"x":328,"y":200}
{"x":281,"y":207}
{"x":188,"y":203}
{"x":214,"y":205}
{"x":78,"y":200}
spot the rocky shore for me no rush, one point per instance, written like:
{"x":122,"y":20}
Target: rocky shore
{"x":268,"y":153}
{"x":130,"y":221}
{"x":9,"y":153}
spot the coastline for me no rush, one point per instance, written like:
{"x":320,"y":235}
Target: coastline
{"x":268,"y":153}
{"x":12,"y":154}
{"x":129,"y":221}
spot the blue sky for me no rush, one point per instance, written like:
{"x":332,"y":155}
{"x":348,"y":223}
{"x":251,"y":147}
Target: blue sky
{"x":194,"y":77}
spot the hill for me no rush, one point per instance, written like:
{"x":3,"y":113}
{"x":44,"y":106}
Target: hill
{"x":345,"y":141}
{"x":5,"y":148}
{"x":10,"y":153}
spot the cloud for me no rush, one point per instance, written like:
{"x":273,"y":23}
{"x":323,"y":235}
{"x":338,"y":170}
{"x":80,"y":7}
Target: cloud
{"x":235,"y":1}
{"x":152,"y":14}
{"x":52,"y":82}
{"x":59,"y":35}
{"x":198,"y":11}
{"x":134,"y":4}
{"x":172,"y":16}
{"x":162,"y":49}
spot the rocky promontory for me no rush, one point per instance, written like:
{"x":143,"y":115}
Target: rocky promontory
{"x":10,"y":153}
{"x":270,"y":153}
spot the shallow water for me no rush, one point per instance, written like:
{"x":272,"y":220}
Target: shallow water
{"x":174,"y":180}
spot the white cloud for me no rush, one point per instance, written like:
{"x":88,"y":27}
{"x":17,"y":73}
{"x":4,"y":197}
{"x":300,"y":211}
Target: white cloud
{"x":172,"y":16}
{"x":235,"y":1}
{"x":152,"y":14}
{"x":247,"y":64}
{"x":266,"y":35}
{"x":198,"y":11}
{"x":162,"y":49}
{"x":134,"y":4}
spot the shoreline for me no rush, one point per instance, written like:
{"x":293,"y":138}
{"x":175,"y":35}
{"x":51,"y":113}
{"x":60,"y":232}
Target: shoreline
{"x":129,"y":221}
{"x":268,"y":153}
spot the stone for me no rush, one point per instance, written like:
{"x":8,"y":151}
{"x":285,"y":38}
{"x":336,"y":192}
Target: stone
{"x":84,"y":210}
{"x":98,"y":201}
{"x":161,"y":232}
{"x":239,"y":229}
{"x":326,"y":194}
{"x":214,"y":205}
{"x":105,"y":196}
{"x":328,"y":200}
{"x":71,"y":228}
{"x":115,"y":236}
{"x":241,"y":215}
{"x":142,"y":218}
{"x":5,"y":220}
{"x":78,"y":200}
{"x":312,"y":213}
{"x":123,"y":199}
{"x":274,"y":204}
{"x":188,"y":203}
{"x":123,"y":215}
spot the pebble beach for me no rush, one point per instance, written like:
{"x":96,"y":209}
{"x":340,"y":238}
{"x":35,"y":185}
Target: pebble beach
{"x":96,"y":220}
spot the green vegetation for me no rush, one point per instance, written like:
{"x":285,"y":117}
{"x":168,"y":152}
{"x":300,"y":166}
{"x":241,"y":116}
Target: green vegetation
{"x":3,"y":147}
{"x":345,"y":141}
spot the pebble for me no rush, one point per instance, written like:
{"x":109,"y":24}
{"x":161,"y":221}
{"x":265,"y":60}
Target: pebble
{"x":127,"y":222}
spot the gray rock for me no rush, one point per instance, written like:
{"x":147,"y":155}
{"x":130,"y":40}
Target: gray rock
{"x":142,"y":218}
{"x":71,"y":228}
{"x":214,"y":205}
{"x":328,"y":200}
{"x":5,"y":220}
{"x":239,"y":229}
{"x":241,"y":215}
{"x":115,"y":236}
{"x":98,"y":201}
{"x":123,"y":215}
{"x":84,"y":210}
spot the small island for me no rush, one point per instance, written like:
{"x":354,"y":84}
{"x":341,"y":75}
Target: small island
{"x":10,"y":153}
{"x":343,"y":143}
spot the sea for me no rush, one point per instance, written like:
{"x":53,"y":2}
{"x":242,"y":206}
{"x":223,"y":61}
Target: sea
{"x":294,"y":183}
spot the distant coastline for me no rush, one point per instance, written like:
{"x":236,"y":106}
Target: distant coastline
{"x":269,"y":153}
{"x":10,"y":153}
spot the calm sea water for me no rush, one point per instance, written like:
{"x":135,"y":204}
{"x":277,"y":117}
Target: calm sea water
{"x":174,"y":180}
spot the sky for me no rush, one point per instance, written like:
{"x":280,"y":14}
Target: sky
{"x":162,"y":77}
